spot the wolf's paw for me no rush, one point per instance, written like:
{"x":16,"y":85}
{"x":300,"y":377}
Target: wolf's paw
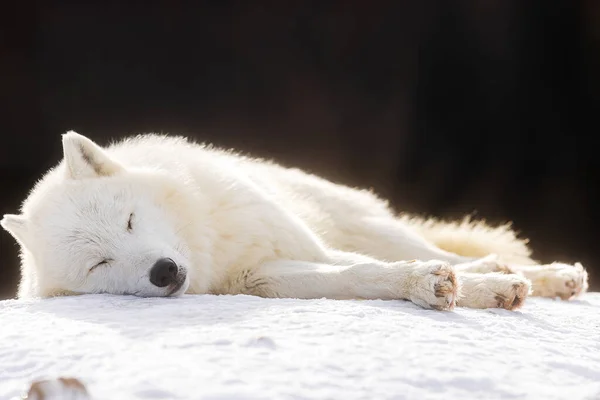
{"x":513,"y":298}
{"x":57,"y":389}
{"x":485,"y":265}
{"x":434,"y":285}
{"x":494,"y":290}
{"x":560,"y":280}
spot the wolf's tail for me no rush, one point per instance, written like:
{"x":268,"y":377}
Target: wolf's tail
{"x":472,"y":238}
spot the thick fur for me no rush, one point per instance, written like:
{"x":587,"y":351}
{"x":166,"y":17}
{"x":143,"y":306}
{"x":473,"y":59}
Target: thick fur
{"x":100,"y":220}
{"x":473,"y":238}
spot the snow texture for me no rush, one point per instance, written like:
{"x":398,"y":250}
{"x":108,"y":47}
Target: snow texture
{"x":243,"y":347}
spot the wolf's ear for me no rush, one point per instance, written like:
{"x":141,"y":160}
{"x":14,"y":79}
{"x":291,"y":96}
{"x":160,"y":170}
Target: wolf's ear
{"x":16,"y":225}
{"x":85,"y":159}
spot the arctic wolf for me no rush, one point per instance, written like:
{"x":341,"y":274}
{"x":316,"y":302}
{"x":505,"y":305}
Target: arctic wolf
{"x":160,"y":216}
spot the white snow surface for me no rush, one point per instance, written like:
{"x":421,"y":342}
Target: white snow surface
{"x":244,"y":347}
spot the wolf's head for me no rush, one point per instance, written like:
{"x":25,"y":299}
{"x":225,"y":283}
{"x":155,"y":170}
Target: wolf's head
{"x":93,"y":225}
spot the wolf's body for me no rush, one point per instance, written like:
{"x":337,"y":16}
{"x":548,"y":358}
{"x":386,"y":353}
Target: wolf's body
{"x":157,"y":216}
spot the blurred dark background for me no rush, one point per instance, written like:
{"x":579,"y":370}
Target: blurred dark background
{"x":444,"y":107}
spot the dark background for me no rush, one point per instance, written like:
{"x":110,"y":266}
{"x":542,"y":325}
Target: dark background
{"x":444,"y":107}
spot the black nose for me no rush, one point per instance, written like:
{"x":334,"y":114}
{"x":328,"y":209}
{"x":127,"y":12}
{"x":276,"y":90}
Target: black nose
{"x":163,"y":273}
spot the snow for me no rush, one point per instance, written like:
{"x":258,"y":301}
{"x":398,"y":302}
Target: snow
{"x":243,"y":347}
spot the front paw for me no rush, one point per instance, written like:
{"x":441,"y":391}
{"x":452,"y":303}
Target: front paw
{"x":493,"y":290}
{"x":433,"y":284}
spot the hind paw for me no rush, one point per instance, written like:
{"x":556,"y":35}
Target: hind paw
{"x":485,"y":265}
{"x":560,"y":280}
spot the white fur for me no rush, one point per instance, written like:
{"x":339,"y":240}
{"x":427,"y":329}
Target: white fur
{"x":240,"y":225}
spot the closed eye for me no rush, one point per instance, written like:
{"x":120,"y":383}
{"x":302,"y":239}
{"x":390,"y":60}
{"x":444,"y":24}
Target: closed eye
{"x":106,"y":261}
{"x":130,"y":223}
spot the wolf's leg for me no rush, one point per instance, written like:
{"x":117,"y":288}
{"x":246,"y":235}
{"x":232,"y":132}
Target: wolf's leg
{"x":555,"y":280}
{"x":430,"y":284}
{"x":550,"y":280}
{"x":484,"y":265}
{"x":477,"y":290}
{"x":391,"y":239}
{"x":388,"y":238}
{"x":492,"y":290}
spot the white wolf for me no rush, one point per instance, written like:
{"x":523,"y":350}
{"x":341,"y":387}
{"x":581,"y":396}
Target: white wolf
{"x":160,"y":216}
